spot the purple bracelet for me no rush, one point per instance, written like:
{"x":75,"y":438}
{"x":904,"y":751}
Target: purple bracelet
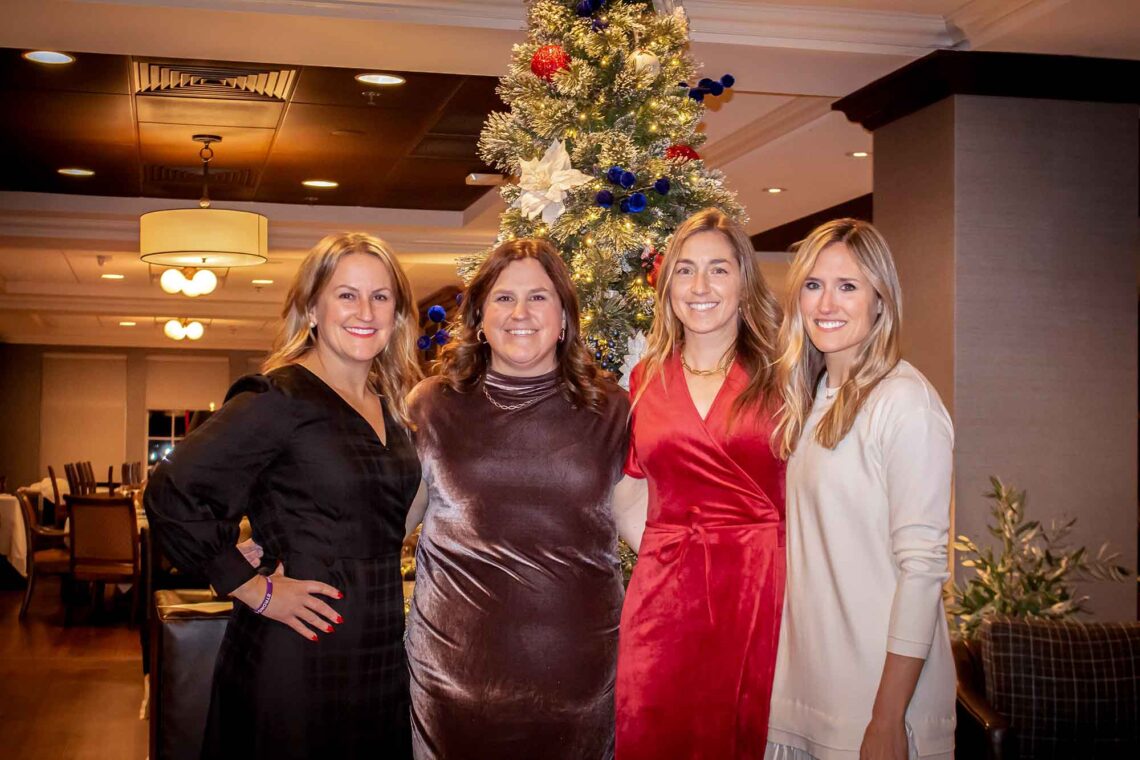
{"x":268,"y":595}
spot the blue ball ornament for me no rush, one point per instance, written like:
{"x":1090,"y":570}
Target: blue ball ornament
{"x":458,"y":298}
{"x":716,"y":88}
{"x":624,"y":205}
{"x":585,"y":8}
{"x":604,"y":198}
{"x":661,"y":185}
{"x":423,"y":343}
{"x":628,"y":179}
{"x":437,"y":313}
{"x":638,"y":202}
{"x":705,"y":83}
{"x":728,"y":80}
{"x":697,"y":94}
{"x":441,"y":337}
{"x":613,"y":174}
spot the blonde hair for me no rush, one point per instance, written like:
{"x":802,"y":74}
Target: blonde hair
{"x":801,"y":363}
{"x":758,"y":318}
{"x":395,"y":370}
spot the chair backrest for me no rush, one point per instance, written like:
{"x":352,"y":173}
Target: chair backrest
{"x":72,"y":475}
{"x":103,"y":529}
{"x":87,"y":476}
{"x":136,"y":473}
{"x":24,"y":496}
{"x":54,"y":488}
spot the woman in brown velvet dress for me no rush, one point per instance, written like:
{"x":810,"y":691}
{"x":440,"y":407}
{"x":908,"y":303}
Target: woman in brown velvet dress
{"x":512,"y":638}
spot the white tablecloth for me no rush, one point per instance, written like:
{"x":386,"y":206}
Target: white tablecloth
{"x":43,"y":488}
{"x":13,"y":542}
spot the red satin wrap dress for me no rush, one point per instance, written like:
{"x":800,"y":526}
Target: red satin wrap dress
{"x":701,"y":621}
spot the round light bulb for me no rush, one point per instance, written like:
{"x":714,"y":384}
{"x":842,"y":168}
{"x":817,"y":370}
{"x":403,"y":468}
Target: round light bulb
{"x":171,"y":281}
{"x":190,"y":288}
{"x":174,"y":330}
{"x":194,"y":330}
{"x":204,"y":281}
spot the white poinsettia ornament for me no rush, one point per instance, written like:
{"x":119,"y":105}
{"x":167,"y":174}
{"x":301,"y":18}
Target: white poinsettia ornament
{"x":544,"y":183}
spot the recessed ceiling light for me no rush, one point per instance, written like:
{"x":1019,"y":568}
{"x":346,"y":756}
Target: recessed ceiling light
{"x":379,"y":79}
{"x":347,"y":132}
{"x":262,"y":282}
{"x":858,"y":154}
{"x":324,"y":184}
{"x":773,"y":190}
{"x":127,"y":324}
{"x":48,"y":56}
{"x":74,"y":171}
{"x":112,"y":276}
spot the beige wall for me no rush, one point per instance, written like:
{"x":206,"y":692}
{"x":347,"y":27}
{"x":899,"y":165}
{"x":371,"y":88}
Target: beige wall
{"x":21,"y":399}
{"x":1014,"y":223}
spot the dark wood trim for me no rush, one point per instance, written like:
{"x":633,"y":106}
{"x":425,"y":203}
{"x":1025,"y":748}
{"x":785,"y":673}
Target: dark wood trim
{"x":782,"y":238}
{"x":1008,"y":75}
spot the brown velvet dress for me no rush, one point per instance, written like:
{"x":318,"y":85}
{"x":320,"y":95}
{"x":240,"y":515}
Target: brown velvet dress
{"x":512,"y":638}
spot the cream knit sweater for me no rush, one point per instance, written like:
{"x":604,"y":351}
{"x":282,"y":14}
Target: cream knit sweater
{"x":868,"y":530}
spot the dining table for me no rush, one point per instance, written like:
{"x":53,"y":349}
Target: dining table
{"x":13,"y":539}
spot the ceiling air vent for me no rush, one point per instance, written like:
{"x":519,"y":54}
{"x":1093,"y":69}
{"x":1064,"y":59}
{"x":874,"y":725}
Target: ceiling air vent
{"x":192,"y":175}
{"x":213,"y":81}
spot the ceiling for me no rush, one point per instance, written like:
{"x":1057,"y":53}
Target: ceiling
{"x":130,"y":119}
{"x":791,"y":59}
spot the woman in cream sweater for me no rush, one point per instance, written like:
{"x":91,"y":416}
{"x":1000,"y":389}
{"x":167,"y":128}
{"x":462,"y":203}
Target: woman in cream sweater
{"x":864,"y":667}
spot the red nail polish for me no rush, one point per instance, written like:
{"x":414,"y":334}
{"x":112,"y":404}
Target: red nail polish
{"x":339,"y":595}
{"x":329,"y":629}
{"x":314,"y":638}
{"x":339,"y":619}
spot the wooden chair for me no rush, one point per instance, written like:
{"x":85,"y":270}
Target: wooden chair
{"x":72,"y":475}
{"x":46,"y":555}
{"x":104,"y":544}
{"x":132,"y":474}
{"x":59,"y":515}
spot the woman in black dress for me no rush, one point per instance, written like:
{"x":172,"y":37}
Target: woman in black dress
{"x":316,"y":451}
{"x":512,"y":638}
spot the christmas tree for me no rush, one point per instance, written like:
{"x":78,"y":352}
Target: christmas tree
{"x":603,"y":134}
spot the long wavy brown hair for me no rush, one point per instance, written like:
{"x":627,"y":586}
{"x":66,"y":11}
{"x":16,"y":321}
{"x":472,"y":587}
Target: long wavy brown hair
{"x":466,"y":358}
{"x":759,"y":318}
{"x":395,"y":370}
{"x":801,"y":364}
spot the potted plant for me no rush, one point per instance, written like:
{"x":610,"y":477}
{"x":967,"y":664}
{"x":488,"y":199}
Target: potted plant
{"x":1030,"y":573}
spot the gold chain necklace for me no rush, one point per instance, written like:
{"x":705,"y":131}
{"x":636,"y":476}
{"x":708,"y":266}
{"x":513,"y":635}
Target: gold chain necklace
{"x":721,"y":367}
{"x":513,"y":407}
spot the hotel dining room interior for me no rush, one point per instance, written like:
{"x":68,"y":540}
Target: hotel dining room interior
{"x":995,"y":143}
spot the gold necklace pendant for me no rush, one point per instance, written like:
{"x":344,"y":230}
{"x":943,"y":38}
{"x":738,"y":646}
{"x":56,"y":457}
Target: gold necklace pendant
{"x":721,"y":367}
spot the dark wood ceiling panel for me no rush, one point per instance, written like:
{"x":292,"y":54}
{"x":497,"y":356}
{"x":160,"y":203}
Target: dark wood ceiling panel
{"x":338,"y":87}
{"x":90,"y":72}
{"x":131,"y":120}
{"x":468,"y":108}
{"x":413,"y":184}
{"x":34,"y":168}
{"x":166,"y":109}
{"x":92,"y":118}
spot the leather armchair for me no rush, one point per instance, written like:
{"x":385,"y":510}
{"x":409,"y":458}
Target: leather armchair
{"x":186,"y":633}
{"x":982,"y":731}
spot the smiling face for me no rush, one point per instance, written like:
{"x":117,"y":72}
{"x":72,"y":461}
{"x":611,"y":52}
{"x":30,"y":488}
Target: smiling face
{"x":355,"y":312}
{"x":839,"y":307}
{"x":522,"y":318}
{"x":704,"y":287}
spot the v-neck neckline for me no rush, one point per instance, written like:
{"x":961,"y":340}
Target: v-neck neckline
{"x":356,"y":412}
{"x":680,"y":370}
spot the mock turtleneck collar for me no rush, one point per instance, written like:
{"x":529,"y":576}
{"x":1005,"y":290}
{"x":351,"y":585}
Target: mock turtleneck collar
{"x":510,"y":389}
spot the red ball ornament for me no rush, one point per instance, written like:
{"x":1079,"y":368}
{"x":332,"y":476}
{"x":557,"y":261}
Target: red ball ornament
{"x":549,"y":59}
{"x":681,"y":153}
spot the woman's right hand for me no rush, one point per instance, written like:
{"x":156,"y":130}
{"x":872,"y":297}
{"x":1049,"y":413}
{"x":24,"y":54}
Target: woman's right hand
{"x":294,"y":603}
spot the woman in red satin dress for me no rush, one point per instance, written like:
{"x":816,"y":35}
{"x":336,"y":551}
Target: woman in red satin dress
{"x":701,"y":620}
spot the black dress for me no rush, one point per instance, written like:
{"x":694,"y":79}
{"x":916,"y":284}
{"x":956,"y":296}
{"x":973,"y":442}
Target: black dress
{"x":327,"y":499}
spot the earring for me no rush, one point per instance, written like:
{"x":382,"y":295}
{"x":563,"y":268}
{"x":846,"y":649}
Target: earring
{"x":480,"y":335}
{"x":562,"y":334}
